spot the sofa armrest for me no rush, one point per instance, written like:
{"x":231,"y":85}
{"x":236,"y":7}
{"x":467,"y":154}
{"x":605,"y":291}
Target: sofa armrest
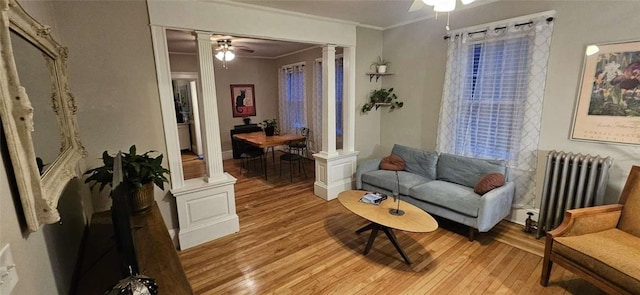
{"x":495,"y":205}
{"x":587,"y":220}
{"x":364,"y":167}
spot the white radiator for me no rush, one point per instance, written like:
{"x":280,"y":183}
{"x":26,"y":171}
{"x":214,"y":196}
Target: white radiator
{"x":571,"y":181}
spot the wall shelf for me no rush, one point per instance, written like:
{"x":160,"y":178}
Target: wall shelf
{"x":377,"y":75}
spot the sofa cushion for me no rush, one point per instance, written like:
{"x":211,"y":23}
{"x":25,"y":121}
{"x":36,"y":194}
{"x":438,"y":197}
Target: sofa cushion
{"x":449,"y":195}
{"x":488,"y":182}
{"x":417,"y":161}
{"x":392,"y":162}
{"x":466,"y":171}
{"x":387,"y":180}
{"x":611,"y":254}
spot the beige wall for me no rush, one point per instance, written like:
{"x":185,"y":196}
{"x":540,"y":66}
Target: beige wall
{"x":112,"y":76}
{"x":45,"y":260}
{"x":257,"y":71}
{"x":417,"y":52}
{"x":368,"y":130}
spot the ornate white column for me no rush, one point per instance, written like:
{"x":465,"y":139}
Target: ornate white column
{"x":207,"y":207}
{"x":329,"y":100}
{"x":161,"y":53}
{"x":335,"y":169}
{"x":209,"y":106}
{"x":349,"y":99}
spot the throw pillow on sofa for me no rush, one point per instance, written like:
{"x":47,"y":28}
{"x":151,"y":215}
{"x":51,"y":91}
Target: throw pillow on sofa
{"x":489,"y":182}
{"x":392,"y":162}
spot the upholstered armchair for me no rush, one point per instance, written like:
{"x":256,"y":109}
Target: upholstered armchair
{"x":601,"y":244}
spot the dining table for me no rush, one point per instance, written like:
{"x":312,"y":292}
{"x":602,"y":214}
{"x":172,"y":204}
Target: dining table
{"x":261,"y":140}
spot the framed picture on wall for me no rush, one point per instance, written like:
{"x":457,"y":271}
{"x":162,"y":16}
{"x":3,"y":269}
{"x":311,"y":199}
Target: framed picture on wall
{"x":243,"y":100}
{"x":608,"y":107}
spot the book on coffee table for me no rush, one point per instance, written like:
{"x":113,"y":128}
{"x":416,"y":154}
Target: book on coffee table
{"x":373,"y":198}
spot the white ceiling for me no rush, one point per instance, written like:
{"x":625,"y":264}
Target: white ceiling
{"x":378,"y":14}
{"x":184,"y":42}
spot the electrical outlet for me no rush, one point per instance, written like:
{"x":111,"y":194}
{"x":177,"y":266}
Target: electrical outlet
{"x":8,"y":273}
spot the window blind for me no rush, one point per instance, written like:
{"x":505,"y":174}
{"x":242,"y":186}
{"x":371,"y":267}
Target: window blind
{"x":493,"y":99}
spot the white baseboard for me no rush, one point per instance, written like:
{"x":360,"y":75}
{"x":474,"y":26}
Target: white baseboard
{"x":520,"y":215}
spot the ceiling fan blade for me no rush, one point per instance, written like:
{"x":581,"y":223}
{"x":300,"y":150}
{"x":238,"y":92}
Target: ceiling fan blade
{"x":416,"y":5}
{"x":242,"y":48}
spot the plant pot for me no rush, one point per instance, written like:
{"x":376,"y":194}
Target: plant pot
{"x":269,"y":130}
{"x":142,"y":199}
{"x":381,"y":69}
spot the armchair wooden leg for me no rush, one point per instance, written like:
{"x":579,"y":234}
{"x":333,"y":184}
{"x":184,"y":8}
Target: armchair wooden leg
{"x":472,"y":234}
{"x":546,"y":271}
{"x":546,"y":262}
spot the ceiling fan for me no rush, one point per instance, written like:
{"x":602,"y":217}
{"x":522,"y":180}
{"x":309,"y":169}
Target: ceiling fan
{"x":226,"y":52}
{"x":438,"y":5}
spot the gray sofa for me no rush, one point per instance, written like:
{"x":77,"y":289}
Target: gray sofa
{"x":442,"y":185}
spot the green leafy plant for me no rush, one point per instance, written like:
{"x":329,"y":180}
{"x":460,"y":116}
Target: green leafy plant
{"x":138,"y":170}
{"x":380,"y":62}
{"x":382,"y":97}
{"x":270,"y":123}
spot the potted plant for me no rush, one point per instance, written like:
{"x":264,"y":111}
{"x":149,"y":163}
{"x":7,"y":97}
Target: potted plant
{"x":382,"y":97}
{"x":140,"y":173}
{"x":270,"y":126}
{"x":246,"y":120}
{"x":380,"y":65}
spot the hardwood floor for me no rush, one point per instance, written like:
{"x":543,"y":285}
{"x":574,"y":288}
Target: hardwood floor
{"x":192,"y":166}
{"x":292,"y":242}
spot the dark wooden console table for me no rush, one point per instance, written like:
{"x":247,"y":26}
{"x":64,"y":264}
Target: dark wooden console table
{"x":157,"y":258}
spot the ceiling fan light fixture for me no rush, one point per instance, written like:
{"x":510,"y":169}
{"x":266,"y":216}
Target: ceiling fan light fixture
{"x":229,"y":56}
{"x":225,"y":55}
{"x":445,"y":6}
{"x":220,"y":55}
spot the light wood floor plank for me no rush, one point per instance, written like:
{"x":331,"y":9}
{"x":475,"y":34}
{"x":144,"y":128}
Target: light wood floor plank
{"x":292,"y":242}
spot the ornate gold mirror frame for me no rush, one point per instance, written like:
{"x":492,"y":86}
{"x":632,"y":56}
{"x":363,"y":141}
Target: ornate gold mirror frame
{"x":39,"y":189}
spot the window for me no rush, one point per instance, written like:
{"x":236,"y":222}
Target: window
{"x":493,"y":99}
{"x":292,"y":104}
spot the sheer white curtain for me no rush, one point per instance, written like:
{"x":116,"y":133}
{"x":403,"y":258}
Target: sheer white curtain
{"x":292,"y":104}
{"x":492,"y":97}
{"x":316,"y":117}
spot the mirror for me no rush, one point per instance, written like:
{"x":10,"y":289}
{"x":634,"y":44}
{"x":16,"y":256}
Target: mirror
{"x":38,"y":114}
{"x":31,"y":64}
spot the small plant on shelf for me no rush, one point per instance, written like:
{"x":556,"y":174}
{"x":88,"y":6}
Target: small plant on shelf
{"x":382,"y":97}
{"x":380,"y":66}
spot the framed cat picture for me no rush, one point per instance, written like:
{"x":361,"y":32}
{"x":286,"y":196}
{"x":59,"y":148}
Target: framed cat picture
{"x":243,"y":100}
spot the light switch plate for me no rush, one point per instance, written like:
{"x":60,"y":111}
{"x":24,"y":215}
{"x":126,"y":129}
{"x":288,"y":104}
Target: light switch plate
{"x":8,"y":273}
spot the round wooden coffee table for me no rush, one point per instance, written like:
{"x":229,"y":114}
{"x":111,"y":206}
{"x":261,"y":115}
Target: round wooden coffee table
{"x":413,"y":220}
